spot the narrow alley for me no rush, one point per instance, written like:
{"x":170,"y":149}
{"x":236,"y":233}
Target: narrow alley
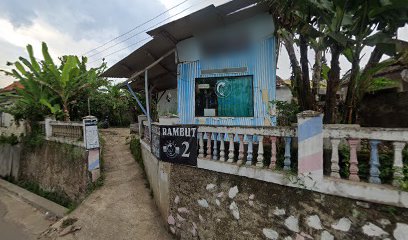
{"x":122,"y":208}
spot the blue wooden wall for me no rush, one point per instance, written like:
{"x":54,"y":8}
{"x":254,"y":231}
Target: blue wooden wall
{"x":260,"y":63}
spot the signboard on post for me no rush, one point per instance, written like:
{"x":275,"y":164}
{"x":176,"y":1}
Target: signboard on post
{"x":178,"y":144}
{"x":91,"y":137}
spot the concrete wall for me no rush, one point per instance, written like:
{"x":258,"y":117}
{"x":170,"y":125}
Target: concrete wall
{"x":8,"y":126}
{"x":168,"y":106}
{"x":283,"y":93}
{"x":56,"y":167}
{"x":9,"y":160}
{"x":203,"y":204}
{"x":384,"y":109}
{"x":210,"y":205}
{"x":158,"y":177}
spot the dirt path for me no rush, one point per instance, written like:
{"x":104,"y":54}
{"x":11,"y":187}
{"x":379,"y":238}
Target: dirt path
{"x":122,"y":208}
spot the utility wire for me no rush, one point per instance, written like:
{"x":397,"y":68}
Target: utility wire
{"x":120,"y":50}
{"x":131,"y":30}
{"x":145,"y":30}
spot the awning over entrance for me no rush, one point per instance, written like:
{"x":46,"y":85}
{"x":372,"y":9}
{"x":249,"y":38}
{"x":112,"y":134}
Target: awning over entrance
{"x":163,"y":73}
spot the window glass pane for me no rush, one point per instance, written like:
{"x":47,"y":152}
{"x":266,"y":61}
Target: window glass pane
{"x":224,"y":97}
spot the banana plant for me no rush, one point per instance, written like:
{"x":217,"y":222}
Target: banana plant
{"x":56,"y":85}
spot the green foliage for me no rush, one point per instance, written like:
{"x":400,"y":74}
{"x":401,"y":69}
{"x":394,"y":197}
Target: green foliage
{"x":12,"y":139}
{"x":346,"y":27}
{"x":136,"y":150}
{"x":381,"y":83}
{"x":55,"y":196}
{"x":286,"y":112}
{"x":50,"y":89}
{"x":111,"y":103}
{"x":33,"y":139}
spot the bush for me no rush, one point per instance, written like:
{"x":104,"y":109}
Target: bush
{"x":286,"y":113}
{"x":12,"y":139}
{"x":136,"y":150}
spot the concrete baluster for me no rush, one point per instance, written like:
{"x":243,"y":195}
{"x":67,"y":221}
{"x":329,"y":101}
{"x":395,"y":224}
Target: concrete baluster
{"x":250,"y":150}
{"x":335,"y":168}
{"x":260,"y":158}
{"x":353,"y":160}
{"x":208,"y":146}
{"x":272,"y":165}
{"x":215,"y":150}
{"x":231,"y":148}
{"x":201,"y":145}
{"x":241,"y":149}
{"x":374,"y":163}
{"x":287,"y":161}
{"x":398,"y":164}
{"x":222,"y":147}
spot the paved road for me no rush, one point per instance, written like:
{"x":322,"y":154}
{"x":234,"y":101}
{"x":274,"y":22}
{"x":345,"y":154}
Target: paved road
{"x":122,"y":208}
{"x":18,"y":219}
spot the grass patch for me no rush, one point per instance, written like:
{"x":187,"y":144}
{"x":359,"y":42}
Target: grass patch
{"x":54,"y":196}
{"x":136,"y":150}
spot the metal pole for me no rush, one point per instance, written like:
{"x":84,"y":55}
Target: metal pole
{"x":89,"y":108}
{"x":147,"y":100}
{"x":137,"y":99}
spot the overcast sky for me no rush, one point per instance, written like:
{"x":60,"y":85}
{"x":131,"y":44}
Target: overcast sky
{"x":76,"y":26}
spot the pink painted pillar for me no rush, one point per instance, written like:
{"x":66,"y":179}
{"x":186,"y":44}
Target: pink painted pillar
{"x":353,"y":160}
{"x":272,"y":165}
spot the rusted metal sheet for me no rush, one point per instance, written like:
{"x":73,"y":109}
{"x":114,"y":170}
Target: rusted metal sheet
{"x":259,"y":62}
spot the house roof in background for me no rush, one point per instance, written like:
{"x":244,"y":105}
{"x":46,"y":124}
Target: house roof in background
{"x":12,"y":87}
{"x":164,"y":75}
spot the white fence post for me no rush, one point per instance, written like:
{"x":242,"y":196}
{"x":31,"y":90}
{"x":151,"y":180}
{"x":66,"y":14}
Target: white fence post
{"x":48,"y":127}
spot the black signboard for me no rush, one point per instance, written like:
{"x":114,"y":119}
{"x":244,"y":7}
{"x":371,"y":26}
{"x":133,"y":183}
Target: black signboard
{"x":178,"y":144}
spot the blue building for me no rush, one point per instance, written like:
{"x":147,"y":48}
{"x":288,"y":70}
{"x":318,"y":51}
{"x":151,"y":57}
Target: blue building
{"x":221,"y":60}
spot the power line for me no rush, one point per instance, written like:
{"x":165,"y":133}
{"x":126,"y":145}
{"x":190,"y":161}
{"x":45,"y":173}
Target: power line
{"x":147,"y":29}
{"x":120,"y":50}
{"x":131,"y":30}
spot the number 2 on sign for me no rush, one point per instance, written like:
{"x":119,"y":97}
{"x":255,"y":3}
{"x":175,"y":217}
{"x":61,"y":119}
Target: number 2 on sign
{"x":187,"y":145}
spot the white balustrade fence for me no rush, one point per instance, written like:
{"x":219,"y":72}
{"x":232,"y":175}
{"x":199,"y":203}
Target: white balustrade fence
{"x":64,"y":132}
{"x":263,"y":147}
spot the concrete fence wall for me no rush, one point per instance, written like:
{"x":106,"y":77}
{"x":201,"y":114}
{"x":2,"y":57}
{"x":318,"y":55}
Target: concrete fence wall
{"x":237,"y":192}
{"x":10,"y":160}
{"x":218,"y":200}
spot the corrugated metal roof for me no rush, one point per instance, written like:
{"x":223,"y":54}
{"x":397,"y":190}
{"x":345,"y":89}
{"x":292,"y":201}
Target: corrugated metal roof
{"x":164,"y":75}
